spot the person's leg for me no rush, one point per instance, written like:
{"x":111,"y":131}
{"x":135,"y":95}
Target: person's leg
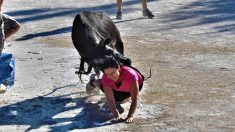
{"x":119,"y":5}
{"x":11,"y":26}
{"x":144,"y":4}
{"x":119,"y":11}
{"x":2,"y":36}
{"x":97,"y":83}
{"x":121,"y":96}
{"x":146,"y":11}
{"x":118,"y":97}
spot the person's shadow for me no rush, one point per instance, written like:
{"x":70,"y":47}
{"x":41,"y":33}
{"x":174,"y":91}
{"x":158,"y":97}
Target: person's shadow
{"x":58,"y":113}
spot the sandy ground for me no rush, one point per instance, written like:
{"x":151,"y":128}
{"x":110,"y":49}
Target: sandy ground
{"x":189,"y":46}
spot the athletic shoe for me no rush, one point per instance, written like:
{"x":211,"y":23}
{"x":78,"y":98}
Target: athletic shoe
{"x":148,"y":13}
{"x":119,"y":15}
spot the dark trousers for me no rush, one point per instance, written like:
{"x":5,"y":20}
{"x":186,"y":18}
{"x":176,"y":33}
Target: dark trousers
{"x":119,"y":95}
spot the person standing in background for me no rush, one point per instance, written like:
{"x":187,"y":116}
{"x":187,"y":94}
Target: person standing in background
{"x":2,"y":38}
{"x":146,"y":11}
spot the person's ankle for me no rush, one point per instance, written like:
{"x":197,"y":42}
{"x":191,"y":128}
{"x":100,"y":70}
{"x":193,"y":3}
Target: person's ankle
{"x":144,"y":9}
{"x":148,"y":13}
{"x":119,"y":15}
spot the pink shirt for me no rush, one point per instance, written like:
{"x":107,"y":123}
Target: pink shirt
{"x":129,"y":76}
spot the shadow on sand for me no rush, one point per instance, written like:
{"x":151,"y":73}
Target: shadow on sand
{"x":59,"y":113}
{"x":202,"y":12}
{"x":64,"y":30}
{"x":43,"y":34}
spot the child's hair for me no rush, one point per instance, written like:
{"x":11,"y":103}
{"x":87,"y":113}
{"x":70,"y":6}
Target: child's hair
{"x":106,"y":62}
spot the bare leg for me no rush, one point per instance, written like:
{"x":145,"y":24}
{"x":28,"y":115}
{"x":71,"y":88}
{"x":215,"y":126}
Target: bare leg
{"x":13,"y":31}
{"x":146,"y":11}
{"x":144,"y":4}
{"x":119,"y":5}
{"x":11,"y":26}
{"x":119,"y":12}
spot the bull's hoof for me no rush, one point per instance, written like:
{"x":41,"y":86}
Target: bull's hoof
{"x":79,"y":72}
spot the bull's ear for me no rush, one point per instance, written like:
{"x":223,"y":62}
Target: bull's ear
{"x":105,"y":41}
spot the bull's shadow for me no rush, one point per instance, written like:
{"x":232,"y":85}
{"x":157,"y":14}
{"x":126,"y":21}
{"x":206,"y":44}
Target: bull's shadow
{"x":47,"y":33}
{"x":65,"y":30}
{"x":59,"y":113}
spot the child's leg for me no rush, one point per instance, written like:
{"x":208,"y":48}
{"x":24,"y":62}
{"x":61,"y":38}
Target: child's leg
{"x":119,"y":5}
{"x":11,"y":26}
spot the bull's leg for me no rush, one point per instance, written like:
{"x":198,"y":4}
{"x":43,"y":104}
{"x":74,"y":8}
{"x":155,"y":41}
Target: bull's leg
{"x":88,"y":70}
{"x":81,"y":69}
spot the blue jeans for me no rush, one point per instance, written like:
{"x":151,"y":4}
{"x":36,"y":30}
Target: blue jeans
{"x":7,"y":69}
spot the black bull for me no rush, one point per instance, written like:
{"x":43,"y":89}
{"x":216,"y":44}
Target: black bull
{"x":95,"y":35}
